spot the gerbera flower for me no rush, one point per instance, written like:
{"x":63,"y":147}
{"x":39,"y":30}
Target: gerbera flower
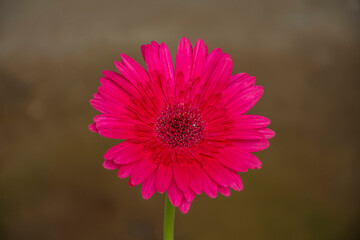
{"x":186,"y":130}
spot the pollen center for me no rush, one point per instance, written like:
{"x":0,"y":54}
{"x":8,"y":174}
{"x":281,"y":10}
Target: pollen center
{"x":179,"y":125}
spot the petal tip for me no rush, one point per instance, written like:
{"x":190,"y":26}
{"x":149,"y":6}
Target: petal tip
{"x":92,"y":127}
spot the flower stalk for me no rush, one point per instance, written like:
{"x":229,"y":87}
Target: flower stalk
{"x":169,"y":216}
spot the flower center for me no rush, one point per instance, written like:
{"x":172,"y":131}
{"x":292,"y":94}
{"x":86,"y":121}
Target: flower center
{"x":179,"y":125}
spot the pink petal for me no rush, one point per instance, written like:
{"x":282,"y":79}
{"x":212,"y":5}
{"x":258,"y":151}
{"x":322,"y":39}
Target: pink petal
{"x":183,"y":60}
{"x":216,"y":172}
{"x":111,"y":91}
{"x":184,"y":206}
{"x":250,"y":121}
{"x":123,"y":133}
{"x":198,"y":58}
{"x":251,"y":146}
{"x":155,"y":45}
{"x":210,"y":187}
{"x":247,"y":134}
{"x":238,"y":86}
{"x":151,"y":57}
{"x":129,"y":155}
{"x":120,"y":127}
{"x":148,"y":187}
{"x":233,"y":161}
{"x":106,"y":120}
{"x":126,"y":170}
{"x":238,"y":78}
{"x":219,"y":78}
{"x":130,"y":183}
{"x":181,"y":175}
{"x":175,"y":195}
{"x":266,"y":132}
{"x":246,"y":159}
{"x":109,"y":164}
{"x":126,"y":85}
{"x":166,"y":61}
{"x":189,"y":195}
{"x":196,"y":184}
{"x":106,"y":106}
{"x":113,"y":151}
{"x":93,"y":128}
{"x":163,"y":177}
{"x":243,"y":83}
{"x":142,"y":170}
{"x":237,"y":184}
{"x":244,"y":101}
{"x":138,"y":73}
{"x":224,"y":191}
{"x":211,"y":62}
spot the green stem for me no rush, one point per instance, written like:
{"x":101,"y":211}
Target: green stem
{"x":169,"y":216}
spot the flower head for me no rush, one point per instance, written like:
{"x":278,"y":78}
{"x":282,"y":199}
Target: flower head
{"x":186,"y":130}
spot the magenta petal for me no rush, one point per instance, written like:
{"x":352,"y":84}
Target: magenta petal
{"x":109,"y":164}
{"x":241,"y":84}
{"x":246,"y":159}
{"x":219,"y":78}
{"x":243,"y":160}
{"x":129,"y":155}
{"x":198,"y":58}
{"x":216,"y":172}
{"x":266,"y":132}
{"x":181,"y":175}
{"x":210,"y":187}
{"x":123,"y":159}
{"x":112,"y":90}
{"x":148,"y":187}
{"x":237,"y":184}
{"x":239,"y":78}
{"x":196,"y":184}
{"x":134,"y":68}
{"x":126,"y":170}
{"x":113,"y":126}
{"x":251,"y":146}
{"x":93,"y":128}
{"x":166,"y":61}
{"x":246,"y":100}
{"x":183,"y":60}
{"x":233,"y":162}
{"x":189,"y":195}
{"x":131,"y":184}
{"x":184,"y":206}
{"x":211,"y":61}
{"x":224,"y":191}
{"x":125,"y":84}
{"x":106,"y":106}
{"x":121,"y":133}
{"x":125,"y":153}
{"x":142,"y":170}
{"x":151,"y":56}
{"x":175,"y":195}
{"x":250,"y":122}
{"x":246,"y":134}
{"x":113,"y":151}
{"x":163,"y":177}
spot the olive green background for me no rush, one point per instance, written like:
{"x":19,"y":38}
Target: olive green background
{"x":306,"y":55}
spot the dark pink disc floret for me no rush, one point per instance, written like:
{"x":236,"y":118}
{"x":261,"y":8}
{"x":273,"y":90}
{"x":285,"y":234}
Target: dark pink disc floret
{"x":179,"y":125}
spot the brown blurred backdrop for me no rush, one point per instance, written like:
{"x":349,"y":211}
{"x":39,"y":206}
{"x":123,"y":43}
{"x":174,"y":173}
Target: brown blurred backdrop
{"x":304,"y":52}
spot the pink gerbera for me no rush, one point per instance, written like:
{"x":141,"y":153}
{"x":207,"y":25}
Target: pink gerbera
{"x":186,"y":130}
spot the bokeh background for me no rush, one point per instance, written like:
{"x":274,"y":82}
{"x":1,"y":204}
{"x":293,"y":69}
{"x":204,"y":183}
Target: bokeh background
{"x":304,"y":52}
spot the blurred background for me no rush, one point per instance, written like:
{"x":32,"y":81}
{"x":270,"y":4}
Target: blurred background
{"x":304,"y":52}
